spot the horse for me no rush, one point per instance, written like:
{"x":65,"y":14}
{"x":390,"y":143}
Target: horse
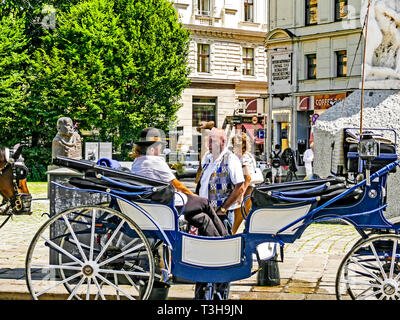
{"x":13,"y":184}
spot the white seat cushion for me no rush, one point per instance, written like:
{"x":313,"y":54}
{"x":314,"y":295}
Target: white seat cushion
{"x":163,"y":215}
{"x":213,"y":252}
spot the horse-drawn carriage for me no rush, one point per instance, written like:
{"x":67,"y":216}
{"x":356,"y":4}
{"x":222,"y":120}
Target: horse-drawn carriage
{"x":119,"y":249}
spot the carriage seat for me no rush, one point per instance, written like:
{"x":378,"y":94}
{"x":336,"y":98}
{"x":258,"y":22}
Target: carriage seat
{"x":162,"y":194}
{"x":298,"y":192}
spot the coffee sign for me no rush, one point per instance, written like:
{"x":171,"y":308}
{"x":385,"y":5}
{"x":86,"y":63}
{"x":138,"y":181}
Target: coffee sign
{"x":325,"y":101}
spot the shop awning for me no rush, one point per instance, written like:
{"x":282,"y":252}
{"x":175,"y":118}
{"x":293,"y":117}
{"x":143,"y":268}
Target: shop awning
{"x":250,"y":131}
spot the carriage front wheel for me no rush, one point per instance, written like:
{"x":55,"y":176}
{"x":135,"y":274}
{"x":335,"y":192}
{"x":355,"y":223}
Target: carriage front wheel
{"x":371,"y":270}
{"x":90,"y":252}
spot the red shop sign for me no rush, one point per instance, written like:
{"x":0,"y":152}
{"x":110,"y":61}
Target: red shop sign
{"x":325,"y":101}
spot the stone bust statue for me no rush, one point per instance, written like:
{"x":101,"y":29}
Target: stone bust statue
{"x":67,"y":142}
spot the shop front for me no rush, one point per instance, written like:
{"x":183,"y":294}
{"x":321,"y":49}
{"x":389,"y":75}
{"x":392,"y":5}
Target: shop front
{"x":309,"y":108}
{"x":281,"y":127}
{"x":254,"y":126}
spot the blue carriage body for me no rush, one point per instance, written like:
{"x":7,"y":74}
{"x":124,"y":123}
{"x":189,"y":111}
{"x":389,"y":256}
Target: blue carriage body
{"x":225,"y":259}
{"x":230,"y":258}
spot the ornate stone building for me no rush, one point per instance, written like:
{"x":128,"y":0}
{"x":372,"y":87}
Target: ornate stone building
{"x":227,"y":59}
{"x":311,"y":47}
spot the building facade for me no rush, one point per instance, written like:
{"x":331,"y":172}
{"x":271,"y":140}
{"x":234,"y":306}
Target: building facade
{"x":227,"y":60}
{"x":314,"y":51}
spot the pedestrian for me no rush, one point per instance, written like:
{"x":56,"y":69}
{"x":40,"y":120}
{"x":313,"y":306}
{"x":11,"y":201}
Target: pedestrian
{"x":242,"y":149}
{"x":149,"y":163}
{"x":204,"y":129}
{"x":276,"y":164}
{"x":221,"y":181}
{"x":308,"y":158}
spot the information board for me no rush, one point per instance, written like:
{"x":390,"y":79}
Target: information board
{"x":97,"y":150}
{"x":281,"y":69}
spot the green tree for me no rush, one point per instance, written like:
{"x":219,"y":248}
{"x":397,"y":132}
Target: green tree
{"x":114,"y":65}
{"x":14,"y":61}
{"x":37,"y":14}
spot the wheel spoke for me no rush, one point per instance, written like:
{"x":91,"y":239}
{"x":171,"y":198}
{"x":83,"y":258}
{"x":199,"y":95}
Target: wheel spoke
{"x":78,"y":244}
{"x":359,"y":273}
{"x":62,"y":250}
{"x":56,"y":266}
{"x":59,"y":283}
{"x":130,"y":273}
{"x":130,"y":243}
{"x":116,"y":284}
{"x":393,"y":259}
{"x":92,"y":235}
{"x":141,"y":269}
{"x":378,"y":260}
{"x":363,"y":292}
{"x":88,"y":289}
{"x":119,"y":239}
{"x":84,"y":246}
{"x":371,"y":294}
{"x":76,"y":288}
{"x":353,"y":282}
{"x":120,"y":254}
{"x":131,"y":281}
{"x":110,"y":240}
{"x":359,"y":264}
{"x":98,"y":290}
{"x":115,"y":287}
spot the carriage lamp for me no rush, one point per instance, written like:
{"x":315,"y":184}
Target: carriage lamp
{"x":368,"y":150}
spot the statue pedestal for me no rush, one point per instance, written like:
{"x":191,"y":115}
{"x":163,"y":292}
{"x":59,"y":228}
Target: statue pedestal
{"x":381,"y":110}
{"x":381,"y":84}
{"x":62,"y":199}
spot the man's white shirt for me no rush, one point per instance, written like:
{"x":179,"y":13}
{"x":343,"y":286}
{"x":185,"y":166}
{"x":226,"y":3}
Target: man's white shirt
{"x":234,"y":169}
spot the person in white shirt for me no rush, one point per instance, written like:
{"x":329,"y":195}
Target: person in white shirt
{"x":221,"y":181}
{"x":241,"y":143}
{"x":308,"y":158}
{"x":149,"y":163}
{"x":276,"y":164}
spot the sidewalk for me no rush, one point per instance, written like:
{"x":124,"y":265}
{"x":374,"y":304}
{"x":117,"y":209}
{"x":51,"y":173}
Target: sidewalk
{"x":307,"y":273}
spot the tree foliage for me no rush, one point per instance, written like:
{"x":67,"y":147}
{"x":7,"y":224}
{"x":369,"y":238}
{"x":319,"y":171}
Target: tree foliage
{"x":114,"y":65}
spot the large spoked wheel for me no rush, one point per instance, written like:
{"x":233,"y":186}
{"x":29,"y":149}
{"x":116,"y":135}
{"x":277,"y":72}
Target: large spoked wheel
{"x":90,"y":252}
{"x":371,"y":270}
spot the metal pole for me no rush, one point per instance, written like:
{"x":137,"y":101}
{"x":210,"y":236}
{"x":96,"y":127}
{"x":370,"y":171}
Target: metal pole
{"x":363,"y":73}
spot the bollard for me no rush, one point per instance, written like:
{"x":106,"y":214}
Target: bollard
{"x":268,"y":275}
{"x":158,"y":292}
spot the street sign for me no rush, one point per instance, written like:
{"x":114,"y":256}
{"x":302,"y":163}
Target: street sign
{"x":314,"y":117}
{"x":260,"y":134}
{"x":237,"y":120}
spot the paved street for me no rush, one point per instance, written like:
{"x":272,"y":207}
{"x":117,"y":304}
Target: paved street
{"x":308,"y":271}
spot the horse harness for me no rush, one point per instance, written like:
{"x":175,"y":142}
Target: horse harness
{"x":17,"y":202}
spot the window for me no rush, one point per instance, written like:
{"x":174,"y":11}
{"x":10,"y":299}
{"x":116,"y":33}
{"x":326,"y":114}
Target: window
{"x":341,"y":63}
{"x":340,"y":10}
{"x":203,"y":109}
{"x":311,"y":61}
{"x":203,"y":57}
{"x":248,"y":10}
{"x":248,"y":62}
{"x":204,"y":7}
{"x":311,"y":12}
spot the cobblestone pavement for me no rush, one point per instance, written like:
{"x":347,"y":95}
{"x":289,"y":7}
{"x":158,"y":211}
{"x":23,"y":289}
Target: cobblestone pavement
{"x":308,"y":271}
